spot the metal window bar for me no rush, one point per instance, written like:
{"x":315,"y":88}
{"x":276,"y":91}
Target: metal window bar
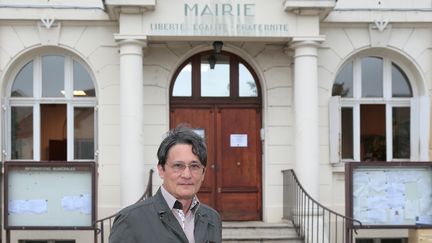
{"x":100,"y":223}
{"x":313,"y":222}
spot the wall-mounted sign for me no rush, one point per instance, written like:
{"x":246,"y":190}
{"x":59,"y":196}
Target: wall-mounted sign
{"x":390,"y":195}
{"x":200,"y":132}
{"x":239,"y":140}
{"x":41,"y":195}
{"x":219,"y":18}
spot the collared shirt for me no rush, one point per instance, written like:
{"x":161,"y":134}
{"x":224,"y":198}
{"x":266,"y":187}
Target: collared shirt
{"x":187,"y":221}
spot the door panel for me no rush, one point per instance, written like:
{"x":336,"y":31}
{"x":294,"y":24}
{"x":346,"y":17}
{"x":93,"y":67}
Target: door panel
{"x":239,"y":178}
{"x":239,"y":206}
{"x":201,"y":118}
{"x":233,"y":174}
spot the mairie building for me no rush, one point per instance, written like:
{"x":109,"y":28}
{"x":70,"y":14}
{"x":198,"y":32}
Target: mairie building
{"x":309,"y":86}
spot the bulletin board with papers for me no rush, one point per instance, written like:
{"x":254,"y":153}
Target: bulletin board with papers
{"x":390,"y":195}
{"x":49,"y":195}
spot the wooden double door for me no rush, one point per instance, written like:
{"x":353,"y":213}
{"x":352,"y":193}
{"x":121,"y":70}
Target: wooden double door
{"x":232,"y":183}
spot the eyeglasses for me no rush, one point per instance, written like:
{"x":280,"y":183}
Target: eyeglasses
{"x":193,"y":167}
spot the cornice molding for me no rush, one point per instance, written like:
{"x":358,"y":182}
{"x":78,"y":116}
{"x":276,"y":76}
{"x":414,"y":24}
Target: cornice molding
{"x":310,"y":7}
{"x":115,"y":7}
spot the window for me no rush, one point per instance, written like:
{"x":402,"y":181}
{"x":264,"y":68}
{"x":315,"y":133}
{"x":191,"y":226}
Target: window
{"x":183,"y":84}
{"x":215,"y":81}
{"x":217,"y":77}
{"x":51,"y":113}
{"x":374,"y":114}
{"x":247,"y":85}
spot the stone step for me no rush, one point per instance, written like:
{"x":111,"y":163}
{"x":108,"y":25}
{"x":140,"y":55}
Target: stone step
{"x":254,"y":232}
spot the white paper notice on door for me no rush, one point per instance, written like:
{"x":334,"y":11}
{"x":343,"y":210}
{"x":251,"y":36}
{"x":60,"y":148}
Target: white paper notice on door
{"x":238,"y":140}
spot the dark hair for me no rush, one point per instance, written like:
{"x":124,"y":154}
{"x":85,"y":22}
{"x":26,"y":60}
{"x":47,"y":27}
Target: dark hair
{"x":182,"y":135}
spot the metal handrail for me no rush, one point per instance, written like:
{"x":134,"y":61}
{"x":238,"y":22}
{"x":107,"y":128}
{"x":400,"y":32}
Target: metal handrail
{"x":314,"y":222}
{"x":99,"y":224}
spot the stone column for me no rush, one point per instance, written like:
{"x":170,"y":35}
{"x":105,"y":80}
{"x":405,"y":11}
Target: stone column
{"x":131,"y":118}
{"x":306,"y":115}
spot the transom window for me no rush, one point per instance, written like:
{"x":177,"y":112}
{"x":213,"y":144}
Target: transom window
{"x":375,"y":116}
{"x":51,"y":113}
{"x":218,"y":77}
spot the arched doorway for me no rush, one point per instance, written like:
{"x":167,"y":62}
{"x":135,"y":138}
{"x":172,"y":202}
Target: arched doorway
{"x":223,"y":103}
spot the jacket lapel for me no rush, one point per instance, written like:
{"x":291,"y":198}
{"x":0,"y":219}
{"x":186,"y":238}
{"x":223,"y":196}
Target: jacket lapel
{"x":167,"y":218}
{"x":201,"y":225}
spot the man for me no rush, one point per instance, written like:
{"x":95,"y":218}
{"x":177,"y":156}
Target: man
{"x":174,"y":213}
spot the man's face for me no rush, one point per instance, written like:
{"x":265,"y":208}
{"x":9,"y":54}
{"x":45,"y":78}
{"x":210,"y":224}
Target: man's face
{"x":181,"y":175}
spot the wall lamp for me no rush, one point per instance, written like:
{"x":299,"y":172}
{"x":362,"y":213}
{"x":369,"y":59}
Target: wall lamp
{"x":212,"y":61}
{"x":217,"y":47}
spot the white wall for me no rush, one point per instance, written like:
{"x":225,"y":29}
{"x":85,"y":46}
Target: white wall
{"x":50,"y":3}
{"x":408,"y":45}
{"x":94,"y":43}
{"x":384,"y":4}
{"x":96,"y":46}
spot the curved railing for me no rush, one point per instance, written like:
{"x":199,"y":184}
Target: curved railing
{"x":314,"y":222}
{"x":108,"y":221}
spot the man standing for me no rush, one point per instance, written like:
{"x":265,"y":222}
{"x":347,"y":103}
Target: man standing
{"x":174,"y":213}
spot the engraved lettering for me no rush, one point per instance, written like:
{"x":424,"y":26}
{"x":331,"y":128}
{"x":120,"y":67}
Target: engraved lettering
{"x":206,"y":11}
{"x":225,"y":9}
{"x":188,"y":8}
{"x":248,"y":10}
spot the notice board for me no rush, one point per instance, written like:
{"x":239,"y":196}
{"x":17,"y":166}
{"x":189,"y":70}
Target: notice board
{"x":390,"y":195}
{"x":51,"y":195}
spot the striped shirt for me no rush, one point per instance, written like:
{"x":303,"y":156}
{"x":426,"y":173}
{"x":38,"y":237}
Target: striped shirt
{"x":186,"y":221}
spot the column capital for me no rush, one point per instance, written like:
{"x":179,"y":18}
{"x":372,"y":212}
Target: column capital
{"x":306,"y":40}
{"x":304,"y":46}
{"x":123,"y":39}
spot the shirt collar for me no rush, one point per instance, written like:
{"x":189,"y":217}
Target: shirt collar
{"x":170,"y":200}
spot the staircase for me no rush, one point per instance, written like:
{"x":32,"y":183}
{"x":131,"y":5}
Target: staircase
{"x":259,"y":232}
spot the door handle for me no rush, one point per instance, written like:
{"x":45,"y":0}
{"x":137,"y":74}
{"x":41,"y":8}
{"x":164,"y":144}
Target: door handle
{"x":213,"y":167}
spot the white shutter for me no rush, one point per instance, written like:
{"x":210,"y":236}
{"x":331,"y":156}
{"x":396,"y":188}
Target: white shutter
{"x":420,"y":128}
{"x":335,"y":129}
{"x":96,"y":133}
{"x":6,"y":128}
{"x":415,"y":128}
{"x":424,"y":127}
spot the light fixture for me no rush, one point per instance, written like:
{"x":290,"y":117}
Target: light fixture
{"x":217,"y":47}
{"x":212,"y":61}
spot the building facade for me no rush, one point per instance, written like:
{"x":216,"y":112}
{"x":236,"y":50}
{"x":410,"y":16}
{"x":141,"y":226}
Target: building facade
{"x":303,"y":85}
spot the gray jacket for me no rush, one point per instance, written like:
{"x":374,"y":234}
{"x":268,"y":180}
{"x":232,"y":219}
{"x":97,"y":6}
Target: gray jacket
{"x":152,"y":221}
